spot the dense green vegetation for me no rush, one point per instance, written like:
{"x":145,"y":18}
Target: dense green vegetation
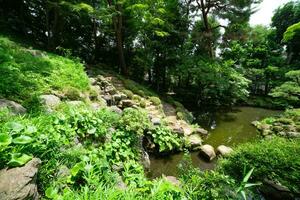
{"x":162,"y":56}
{"x":27,"y":73}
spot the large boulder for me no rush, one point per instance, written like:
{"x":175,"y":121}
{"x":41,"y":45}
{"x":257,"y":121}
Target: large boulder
{"x":194,"y":141}
{"x":20,"y":183}
{"x":201,"y":131}
{"x":116,"y":109}
{"x":127,"y":103}
{"x":275,"y":191}
{"x":49,"y":100}
{"x":208,"y":152}
{"x":13,"y":106}
{"x":156,"y":121}
{"x":224,"y":150}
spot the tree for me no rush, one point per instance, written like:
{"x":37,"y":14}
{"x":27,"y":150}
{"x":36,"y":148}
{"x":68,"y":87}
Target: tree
{"x":283,"y":18}
{"x":289,"y":90}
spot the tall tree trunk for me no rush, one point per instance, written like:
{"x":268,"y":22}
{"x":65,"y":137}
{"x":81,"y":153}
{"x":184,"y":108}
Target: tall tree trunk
{"x":208,"y":32}
{"x":118,"y":25}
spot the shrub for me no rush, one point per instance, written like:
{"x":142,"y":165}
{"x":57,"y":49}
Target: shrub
{"x":166,"y":139}
{"x":134,"y":120}
{"x":272,"y":159}
{"x":143,"y":103}
{"x":72,"y":93}
{"x":205,"y":185}
{"x":136,"y":98}
{"x":128,"y":93}
{"x":155,"y":100}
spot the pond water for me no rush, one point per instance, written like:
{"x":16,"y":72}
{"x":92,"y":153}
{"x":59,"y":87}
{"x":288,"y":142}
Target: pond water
{"x":229,"y":128}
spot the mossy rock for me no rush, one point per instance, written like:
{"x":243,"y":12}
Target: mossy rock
{"x":285,"y":121}
{"x":128,"y":93}
{"x":136,"y":98}
{"x":155,"y":100}
{"x":143,"y":103}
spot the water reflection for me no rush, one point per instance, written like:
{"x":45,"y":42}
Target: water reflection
{"x":225,"y":127}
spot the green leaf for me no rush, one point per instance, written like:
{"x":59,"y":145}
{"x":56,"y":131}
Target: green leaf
{"x":51,"y":193}
{"x":23,"y":139}
{"x":16,"y":127}
{"x":91,"y":131}
{"x":78,"y":167}
{"x":246,"y":178}
{"x":5,"y":139}
{"x":31,"y":129}
{"x":18,"y":159}
{"x":251,"y":184}
{"x":244,"y":195}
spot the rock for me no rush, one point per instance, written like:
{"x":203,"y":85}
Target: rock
{"x":50,"y":101}
{"x":201,"y":131}
{"x":13,"y":106}
{"x":110,"y":90}
{"x":123,"y":96}
{"x":115,"y":109}
{"x":92,"y":81}
{"x":224,"y":150}
{"x":293,"y":134}
{"x":75,"y":103}
{"x":177,"y":129}
{"x":120,"y":183}
{"x":145,"y":160}
{"x":208,"y":152}
{"x":117,"y":97}
{"x":173,"y":180}
{"x":274,"y":191}
{"x":63,"y":172}
{"x":255,"y":123}
{"x":108,"y":99}
{"x":195,"y":141}
{"x":127,"y":103}
{"x":187,"y":131}
{"x":156,"y":121}
{"x":95,"y":106}
{"x":20,"y":183}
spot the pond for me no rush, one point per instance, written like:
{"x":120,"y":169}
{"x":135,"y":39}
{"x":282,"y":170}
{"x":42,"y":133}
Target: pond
{"x":229,"y":128}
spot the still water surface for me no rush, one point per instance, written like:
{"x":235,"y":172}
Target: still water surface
{"x":229,"y":128}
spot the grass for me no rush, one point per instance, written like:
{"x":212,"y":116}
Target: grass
{"x":27,"y":73}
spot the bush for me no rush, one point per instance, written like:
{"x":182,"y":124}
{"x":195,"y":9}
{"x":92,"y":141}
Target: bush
{"x":166,"y":139}
{"x":128,"y":93}
{"x":155,"y":100}
{"x":143,"y":103}
{"x":133,"y":120}
{"x":205,"y":185}
{"x":271,"y":159}
{"x":136,"y":98}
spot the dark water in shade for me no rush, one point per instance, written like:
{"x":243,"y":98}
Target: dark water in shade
{"x":229,"y":128}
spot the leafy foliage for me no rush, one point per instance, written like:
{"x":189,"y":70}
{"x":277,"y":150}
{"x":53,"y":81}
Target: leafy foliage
{"x":272,"y":159}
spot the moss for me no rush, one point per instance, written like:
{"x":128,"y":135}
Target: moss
{"x":136,"y":98}
{"x":128,"y":93}
{"x":143,"y":103}
{"x":155,"y":100}
{"x":285,"y":121}
{"x":72,"y":93}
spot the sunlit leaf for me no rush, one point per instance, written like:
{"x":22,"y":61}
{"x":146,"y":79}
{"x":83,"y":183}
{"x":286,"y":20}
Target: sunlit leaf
{"x":18,"y":159}
{"x":23,"y":139}
{"x":5,"y":139}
